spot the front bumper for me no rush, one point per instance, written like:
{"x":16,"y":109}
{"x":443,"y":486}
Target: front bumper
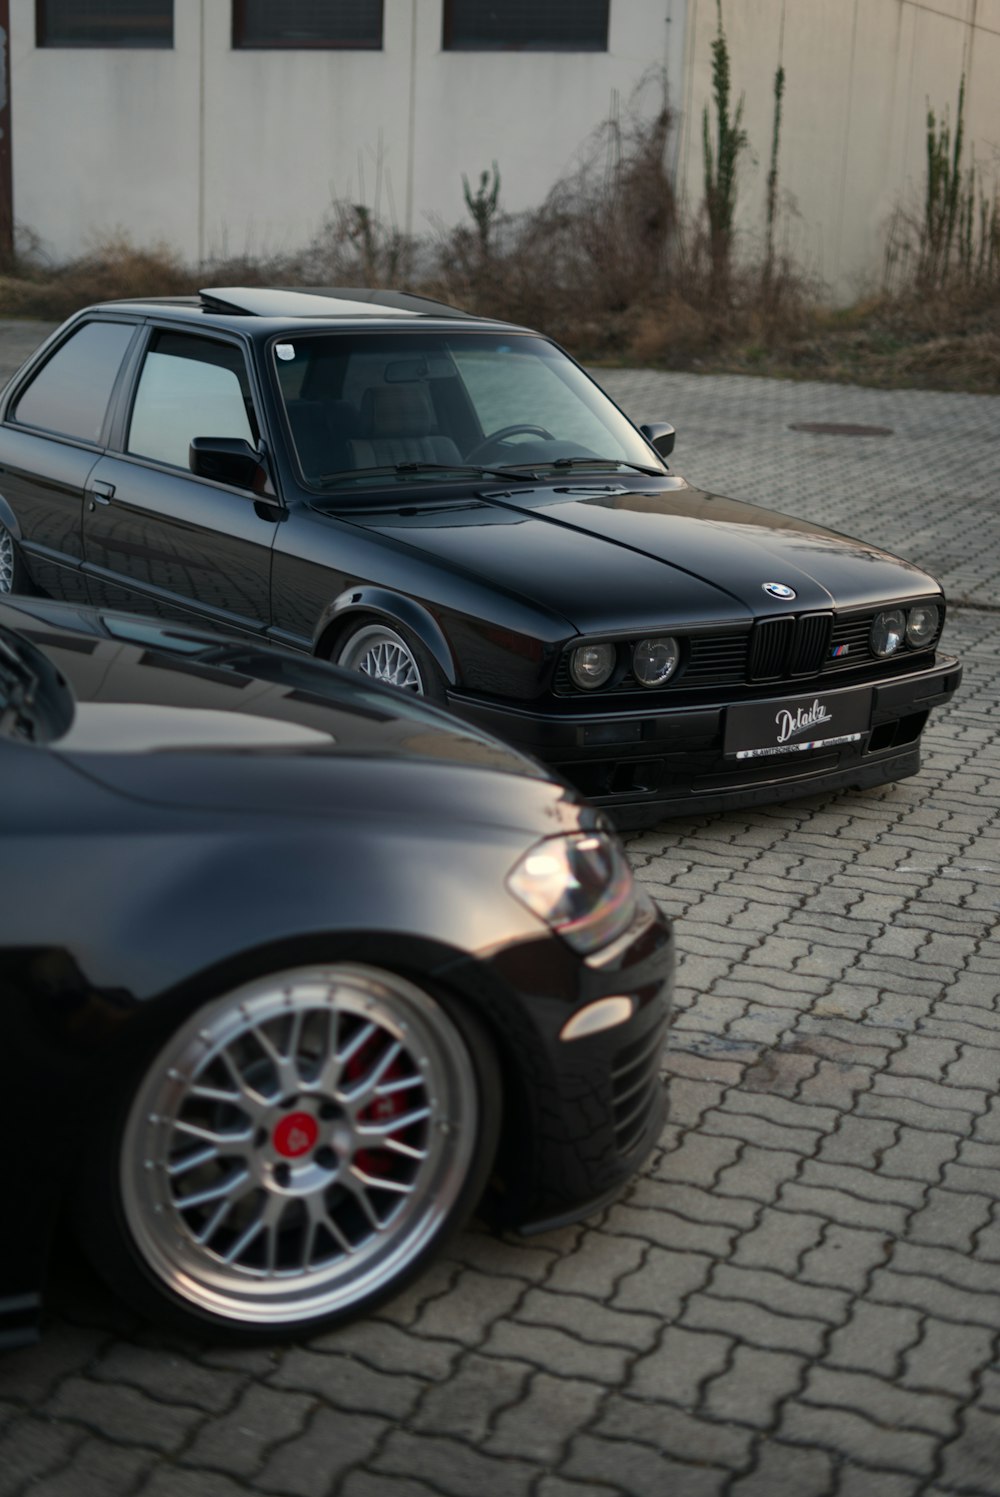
{"x":643,"y":766}
{"x":580,"y":1115}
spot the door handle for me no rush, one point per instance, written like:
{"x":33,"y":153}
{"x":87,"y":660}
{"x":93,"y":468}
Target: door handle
{"x":101,"y":493}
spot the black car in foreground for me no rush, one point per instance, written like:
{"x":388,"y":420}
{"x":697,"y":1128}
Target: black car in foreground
{"x":293,"y":968}
{"x":452,"y":506}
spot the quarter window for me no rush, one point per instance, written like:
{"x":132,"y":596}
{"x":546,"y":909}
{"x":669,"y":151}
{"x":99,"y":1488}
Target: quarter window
{"x":104,"y":23}
{"x":526,"y":25}
{"x":189,"y":387}
{"x":70,"y":394}
{"x":307,"y":23}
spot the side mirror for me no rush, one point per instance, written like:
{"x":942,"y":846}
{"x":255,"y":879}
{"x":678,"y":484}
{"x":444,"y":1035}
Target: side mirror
{"x":661,"y":437}
{"x":226,"y":460}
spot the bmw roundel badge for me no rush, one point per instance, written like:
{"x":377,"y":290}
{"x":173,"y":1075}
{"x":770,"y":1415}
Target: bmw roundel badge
{"x":779,"y":590}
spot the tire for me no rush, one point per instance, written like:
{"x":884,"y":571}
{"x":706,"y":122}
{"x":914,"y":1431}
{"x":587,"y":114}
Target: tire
{"x":13,"y":574}
{"x":294,"y":1154}
{"x":391,"y":656}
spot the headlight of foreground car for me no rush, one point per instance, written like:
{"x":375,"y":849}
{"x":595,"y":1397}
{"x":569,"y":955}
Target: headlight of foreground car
{"x":655,"y":660}
{"x":922,"y":624}
{"x":591,"y":665}
{"x":888,"y":632}
{"x":580,"y":885}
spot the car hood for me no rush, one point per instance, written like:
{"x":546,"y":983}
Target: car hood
{"x":171,"y":716}
{"x":617,"y":537}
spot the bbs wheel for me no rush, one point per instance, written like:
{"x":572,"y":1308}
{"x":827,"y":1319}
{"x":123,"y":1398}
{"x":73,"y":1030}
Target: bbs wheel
{"x":13,"y":577}
{"x":294,"y":1154}
{"x":389,"y":656}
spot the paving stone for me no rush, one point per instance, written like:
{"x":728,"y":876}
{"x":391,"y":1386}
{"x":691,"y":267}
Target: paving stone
{"x":845,"y":1208}
{"x":348,"y":1383}
{"x":314,"y":1462}
{"x":514,"y":1257}
{"x":558,"y":1486}
{"x":751,"y":1389}
{"x":452,"y":1467}
{"x":662,"y":1282}
{"x":599,"y":1267}
{"x":33,"y":1447}
{"x":640,"y":1469}
{"x":365,"y":1484}
{"x":949,"y":1219}
{"x":682,"y":1362}
{"x":779,"y":1241}
{"x":390,"y":1350}
{"x":854,"y":1481}
{"x":31,"y":1375}
{"x":759,"y":1174}
{"x":574,"y":1313}
{"x":849,"y":1434}
{"x":877,"y":1399}
{"x":755,"y":1325}
{"x":238,"y":1442}
{"x":540,"y":1426}
{"x":698,"y":1161}
{"x":857,"y":1141}
{"x":554,"y":1351}
{"x":947,"y":1358}
{"x":170,"y":1482}
{"x":173,"y":1379}
{"x":467,"y":1404}
{"x":670,"y":1231}
{"x":472,"y":1305}
{"x":129,"y":1417}
{"x":773,"y":1290}
{"x":865,"y":1185}
{"x":678,"y":1434}
{"x":919,"y":1155}
{"x":972,"y":1461}
{"x":934,"y":1297}
{"x":97,"y":1469}
{"x":787,"y":1471}
{"x":874,"y":1339}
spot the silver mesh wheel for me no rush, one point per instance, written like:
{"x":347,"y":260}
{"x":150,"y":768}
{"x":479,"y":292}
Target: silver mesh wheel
{"x":298,"y":1144}
{"x":378,"y":651}
{"x":6,"y":560}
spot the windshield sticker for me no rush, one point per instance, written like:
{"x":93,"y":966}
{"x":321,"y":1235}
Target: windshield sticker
{"x":284,"y":351}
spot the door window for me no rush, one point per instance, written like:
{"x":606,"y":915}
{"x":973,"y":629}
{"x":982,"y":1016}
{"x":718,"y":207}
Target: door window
{"x":70,"y":393}
{"x":189,"y":387}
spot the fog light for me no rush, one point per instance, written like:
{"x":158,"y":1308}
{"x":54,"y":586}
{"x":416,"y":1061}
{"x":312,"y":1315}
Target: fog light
{"x":604,"y":1014}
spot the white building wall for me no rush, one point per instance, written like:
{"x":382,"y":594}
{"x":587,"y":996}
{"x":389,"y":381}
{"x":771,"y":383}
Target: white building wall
{"x":217,"y":151}
{"x":859,"y":77}
{"x":214,"y":151}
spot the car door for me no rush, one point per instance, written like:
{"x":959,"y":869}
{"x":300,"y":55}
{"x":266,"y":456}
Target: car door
{"x":51,"y":438}
{"x":158,"y":538}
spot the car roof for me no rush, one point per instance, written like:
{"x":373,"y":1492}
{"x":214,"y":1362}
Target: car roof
{"x":358,"y":305}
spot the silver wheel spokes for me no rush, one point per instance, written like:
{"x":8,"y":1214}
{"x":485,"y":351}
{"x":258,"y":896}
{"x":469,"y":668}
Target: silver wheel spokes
{"x":6,"y":561}
{"x":294,"y":1146}
{"x":383,"y":655}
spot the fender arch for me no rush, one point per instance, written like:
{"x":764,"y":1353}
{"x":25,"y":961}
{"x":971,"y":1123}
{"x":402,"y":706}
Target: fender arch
{"x":382,"y":603}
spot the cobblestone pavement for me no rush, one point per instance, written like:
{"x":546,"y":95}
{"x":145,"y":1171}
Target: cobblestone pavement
{"x":800,"y":1297}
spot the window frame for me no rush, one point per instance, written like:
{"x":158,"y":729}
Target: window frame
{"x":43,"y":41}
{"x":240,"y":44}
{"x":448,"y":43}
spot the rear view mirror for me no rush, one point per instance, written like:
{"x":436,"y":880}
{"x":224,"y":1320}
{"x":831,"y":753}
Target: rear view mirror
{"x":661,"y":437}
{"x":226,"y":460}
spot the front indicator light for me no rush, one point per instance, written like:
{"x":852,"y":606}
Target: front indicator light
{"x":591,"y":665}
{"x":655,"y":660}
{"x":888,"y":632}
{"x":580,"y":885}
{"x":922,"y":624}
{"x":604,"y":1014}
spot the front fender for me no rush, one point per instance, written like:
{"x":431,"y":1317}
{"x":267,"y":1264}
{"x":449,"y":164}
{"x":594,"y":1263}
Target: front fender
{"x":393,"y":607}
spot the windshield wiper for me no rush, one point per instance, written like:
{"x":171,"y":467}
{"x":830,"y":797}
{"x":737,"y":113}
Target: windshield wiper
{"x":474,"y":469}
{"x":599,"y":462}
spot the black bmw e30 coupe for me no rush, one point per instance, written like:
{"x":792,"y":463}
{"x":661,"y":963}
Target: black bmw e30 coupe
{"x":451,"y":505}
{"x":291,"y":967}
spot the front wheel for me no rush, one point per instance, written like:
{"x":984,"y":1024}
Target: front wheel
{"x":388,"y":655}
{"x":294,"y":1154}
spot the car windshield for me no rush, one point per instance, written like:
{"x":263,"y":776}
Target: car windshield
{"x":376,"y":408}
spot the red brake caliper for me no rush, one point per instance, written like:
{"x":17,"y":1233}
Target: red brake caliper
{"x":382,"y":1110}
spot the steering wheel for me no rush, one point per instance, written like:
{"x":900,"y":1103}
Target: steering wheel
{"x":501,"y":435}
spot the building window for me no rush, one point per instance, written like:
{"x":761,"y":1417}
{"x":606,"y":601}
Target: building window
{"x":526,"y":25}
{"x":307,"y":23}
{"x":104,"y":23}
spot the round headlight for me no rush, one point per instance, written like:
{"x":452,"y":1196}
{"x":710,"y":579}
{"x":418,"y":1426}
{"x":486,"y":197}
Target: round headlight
{"x":591,"y":665}
{"x":888,"y":632}
{"x":655,"y":660}
{"x":922,"y":624}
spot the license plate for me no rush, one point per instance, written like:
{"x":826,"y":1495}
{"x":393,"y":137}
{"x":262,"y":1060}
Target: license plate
{"x":797,"y":725}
